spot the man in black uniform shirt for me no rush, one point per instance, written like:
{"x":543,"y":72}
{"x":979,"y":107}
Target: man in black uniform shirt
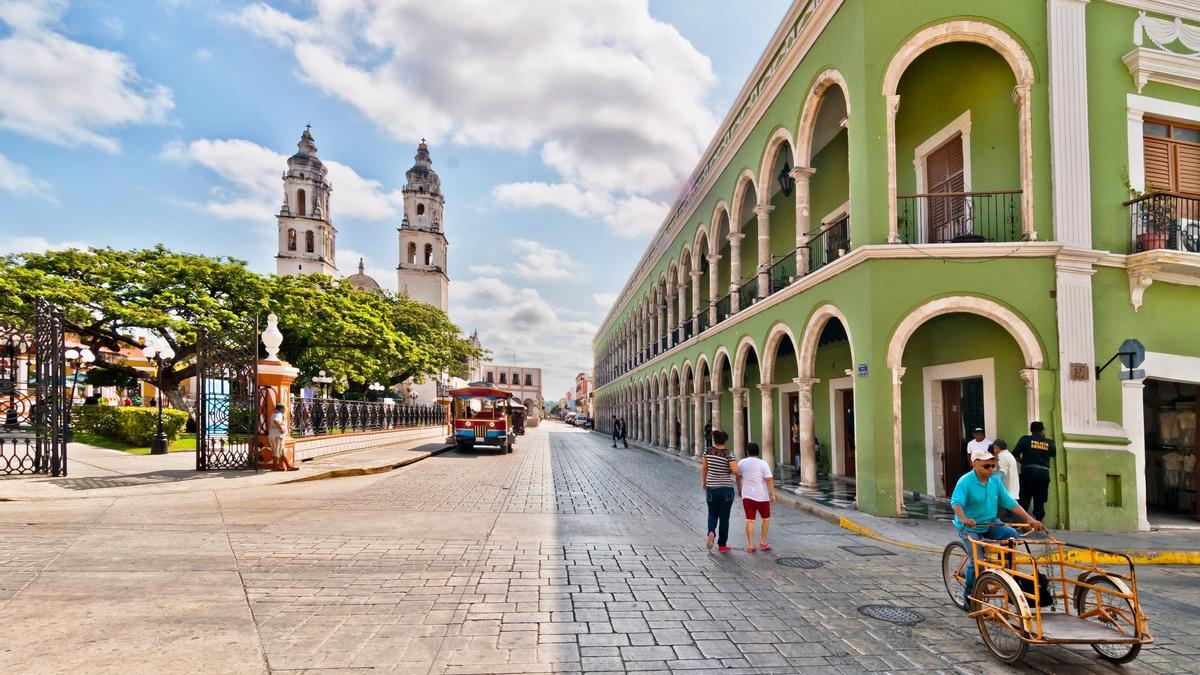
{"x":1034,"y":452}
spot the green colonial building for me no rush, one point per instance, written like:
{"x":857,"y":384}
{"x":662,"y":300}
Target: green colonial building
{"x":922,"y":216}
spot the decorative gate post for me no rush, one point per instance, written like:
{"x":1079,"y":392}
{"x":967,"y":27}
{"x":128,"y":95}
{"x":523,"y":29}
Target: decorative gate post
{"x":275,"y":380}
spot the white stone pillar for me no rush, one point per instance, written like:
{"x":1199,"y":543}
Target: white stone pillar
{"x":698,"y":426}
{"x":763,"y":213}
{"x":714,"y":399}
{"x":768,"y":426}
{"x":802,"y":176}
{"x":739,"y":422}
{"x":671,"y":401}
{"x":681,"y":312}
{"x":1076,"y":341}
{"x":713,"y":290}
{"x":897,"y":440}
{"x":808,"y":446}
{"x":22,"y":382}
{"x":735,"y":269}
{"x":1133,"y":419}
{"x":1020,"y":96}
{"x":1030,"y":377}
{"x":695,"y":301}
{"x":1070,"y":159}
{"x":893,"y":105}
{"x":671,"y":291}
{"x":685,"y":417}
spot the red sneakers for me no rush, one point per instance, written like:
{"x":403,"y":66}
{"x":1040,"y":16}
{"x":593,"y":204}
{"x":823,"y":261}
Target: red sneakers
{"x":723,"y":549}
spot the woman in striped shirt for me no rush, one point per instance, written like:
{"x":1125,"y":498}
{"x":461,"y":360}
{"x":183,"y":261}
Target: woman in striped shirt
{"x":716,"y":477}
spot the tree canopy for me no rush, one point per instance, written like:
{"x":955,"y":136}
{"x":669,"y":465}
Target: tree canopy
{"x":113,"y":299}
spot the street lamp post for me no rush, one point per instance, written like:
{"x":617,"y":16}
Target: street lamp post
{"x":376,"y":388}
{"x":78,"y":358}
{"x":158,"y":354}
{"x":322,"y":379}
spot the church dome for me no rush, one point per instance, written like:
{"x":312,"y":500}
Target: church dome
{"x":362,"y":281}
{"x":306,"y":154}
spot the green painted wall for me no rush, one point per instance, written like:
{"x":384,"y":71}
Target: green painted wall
{"x":831,"y":364}
{"x":783,"y":224}
{"x":830,"y":185}
{"x":941,"y":85}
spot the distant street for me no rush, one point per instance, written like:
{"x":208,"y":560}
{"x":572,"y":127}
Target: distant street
{"x":565,"y":556}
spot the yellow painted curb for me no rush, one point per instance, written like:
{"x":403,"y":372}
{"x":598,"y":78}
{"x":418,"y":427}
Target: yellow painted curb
{"x":1139,"y":557}
{"x":854,"y":527}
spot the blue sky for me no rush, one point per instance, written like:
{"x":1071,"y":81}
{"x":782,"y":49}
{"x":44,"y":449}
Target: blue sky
{"x":561,"y":131}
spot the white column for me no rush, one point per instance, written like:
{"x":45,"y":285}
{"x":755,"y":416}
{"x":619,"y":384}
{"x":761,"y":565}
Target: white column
{"x":681,"y":312}
{"x":713,"y":290}
{"x":1070,"y":160}
{"x":1133,"y":419}
{"x":763,"y":212}
{"x":695,"y":301}
{"x":768,"y":425}
{"x":1020,"y":97}
{"x":893,"y":106}
{"x":1030,"y":377}
{"x":739,"y":422}
{"x":801,"y":175}
{"x":671,"y":291}
{"x":22,"y":383}
{"x":808,"y":446}
{"x":714,"y":399}
{"x":735,"y":268}
{"x":698,"y":424}
{"x":1076,"y":340}
{"x":671,"y":402}
{"x":897,"y":440}
{"x":685,"y":417}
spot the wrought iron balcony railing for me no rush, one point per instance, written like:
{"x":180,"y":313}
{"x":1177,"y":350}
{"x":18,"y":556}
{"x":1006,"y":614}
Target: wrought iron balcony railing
{"x":783,"y":272}
{"x":829,"y":243}
{"x":724,"y":308}
{"x":747,"y":293}
{"x":702,"y":321}
{"x":674,"y":336}
{"x":959,"y":217}
{"x":321,"y":416}
{"x":1165,"y":220}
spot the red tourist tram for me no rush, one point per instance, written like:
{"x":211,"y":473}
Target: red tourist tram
{"x":481,"y":415}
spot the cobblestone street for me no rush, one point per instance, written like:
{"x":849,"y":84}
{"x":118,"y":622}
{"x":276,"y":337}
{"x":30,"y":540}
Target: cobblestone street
{"x":565,"y":556}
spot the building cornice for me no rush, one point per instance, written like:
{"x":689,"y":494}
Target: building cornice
{"x":1183,"y":9}
{"x":793,"y":38}
{"x":1153,"y":65}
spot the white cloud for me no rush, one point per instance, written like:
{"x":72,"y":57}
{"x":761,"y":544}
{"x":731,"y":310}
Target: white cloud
{"x":604,"y":300}
{"x":611,"y":98}
{"x":539,"y":262}
{"x":487,"y":270}
{"x":628,"y":217}
{"x":513,"y":320}
{"x":250,"y":188}
{"x":36,"y":245}
{"x":202,"y":54}
{"x":17,"y":178}
{"x":66,"y":92}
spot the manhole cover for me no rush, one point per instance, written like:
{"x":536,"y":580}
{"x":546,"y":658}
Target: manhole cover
{"x":866,"y":550}
{"x":901,"y":616}
{"x":799,"y":563}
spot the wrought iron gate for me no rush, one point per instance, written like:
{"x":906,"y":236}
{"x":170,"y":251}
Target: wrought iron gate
{"x":33,"y":410}
{"x":227,"y":398}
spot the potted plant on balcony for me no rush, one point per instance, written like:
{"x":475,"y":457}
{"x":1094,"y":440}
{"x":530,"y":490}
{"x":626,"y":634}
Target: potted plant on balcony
{"x":1153,"y":219}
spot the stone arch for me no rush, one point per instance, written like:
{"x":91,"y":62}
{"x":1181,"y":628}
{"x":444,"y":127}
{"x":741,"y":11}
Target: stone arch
{"x":700,"y":242}
{"x":746,"y":178}
{"x":806,"y":355}
{"x":702,"y":371}
{"x":721,"y":361}
{"x":778,"y":332}
{"x":812,"y":108}
{"x":1026,"y":339}
{"x":745,"y":347}
{"x":721,"y":210}
{"x":1018,"y":61}
{"x":780,"y":137}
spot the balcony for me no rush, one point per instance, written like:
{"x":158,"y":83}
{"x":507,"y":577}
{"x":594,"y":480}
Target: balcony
{"x":674,"y":336}
{"x":747,"y":293}
{"x":724,"y":308}
{"x":701,"y":321}
{"x":1165,"y":221}
{"x":829,"y":243}
{"x":783,"y":272}
{"x":959,"y":217}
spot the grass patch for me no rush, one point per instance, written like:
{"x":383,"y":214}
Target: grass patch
{"x":185,"y":443}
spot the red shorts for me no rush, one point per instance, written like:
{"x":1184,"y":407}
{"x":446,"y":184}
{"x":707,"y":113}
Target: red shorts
{"x":762,"y":509}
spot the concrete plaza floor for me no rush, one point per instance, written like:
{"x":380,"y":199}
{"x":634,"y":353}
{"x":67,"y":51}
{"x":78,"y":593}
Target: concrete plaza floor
{"x":566,"y":556}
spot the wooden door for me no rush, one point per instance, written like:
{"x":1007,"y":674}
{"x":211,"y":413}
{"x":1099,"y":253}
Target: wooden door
{"x":953,"y":459}
{"x":944,"y":172}
{"x":848,"y":466}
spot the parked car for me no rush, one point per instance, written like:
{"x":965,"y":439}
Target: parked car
{"x":581,"y":420}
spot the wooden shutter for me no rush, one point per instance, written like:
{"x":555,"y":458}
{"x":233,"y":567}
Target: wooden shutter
{"x":1187,"y":163}
{"x":944,"y":171}
{"x":1158,"y":163}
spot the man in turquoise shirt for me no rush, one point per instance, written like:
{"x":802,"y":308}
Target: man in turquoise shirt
{"x":977,"y":499}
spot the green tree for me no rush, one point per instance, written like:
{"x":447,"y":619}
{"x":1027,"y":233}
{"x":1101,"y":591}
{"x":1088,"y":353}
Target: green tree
{"x":111,"y":299}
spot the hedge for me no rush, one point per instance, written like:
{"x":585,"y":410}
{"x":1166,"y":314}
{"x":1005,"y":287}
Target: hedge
{"x":134,"y":425}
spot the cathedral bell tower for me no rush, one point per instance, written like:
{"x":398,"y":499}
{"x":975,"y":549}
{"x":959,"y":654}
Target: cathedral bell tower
{"x":306,"y":233}
{"x":421,"y":274}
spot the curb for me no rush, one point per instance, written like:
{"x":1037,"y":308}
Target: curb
{"x":1138,"y":557}
{"x":366,"y":470}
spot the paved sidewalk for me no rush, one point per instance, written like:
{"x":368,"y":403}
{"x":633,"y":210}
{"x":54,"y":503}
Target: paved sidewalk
{"x":1157,"y":547}
{"x":99,"y":472}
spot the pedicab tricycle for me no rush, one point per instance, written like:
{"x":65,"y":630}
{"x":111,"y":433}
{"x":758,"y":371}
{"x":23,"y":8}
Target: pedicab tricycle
{"x":1031,"y":591}
{"x":481,"y":415}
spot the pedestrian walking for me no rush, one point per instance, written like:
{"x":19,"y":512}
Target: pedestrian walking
{"x":1034,"y":452}
{"x":276,"y":435}
{"x":1007,"y":468}
{"x":756,"y":485}
{"x":716,"y":478}
{"x":624,"y":431}
{"x":707,"y":434}
{"x":616,"y":430}
{"x":979,"y":441}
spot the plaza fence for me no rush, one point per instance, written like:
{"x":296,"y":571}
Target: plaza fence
{"x":323,"y":416}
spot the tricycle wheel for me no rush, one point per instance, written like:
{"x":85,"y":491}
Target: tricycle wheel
{"x":1002,"y":628}
{"x":1112,"y":611}
{"x":954,"y":569}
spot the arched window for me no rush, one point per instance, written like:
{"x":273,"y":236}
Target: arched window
{"x":300,"y":202}
{"x":309,"y":246}
{"x":428,"y":254}
{"x":412,"y":253}
{"x":291,"y":239}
